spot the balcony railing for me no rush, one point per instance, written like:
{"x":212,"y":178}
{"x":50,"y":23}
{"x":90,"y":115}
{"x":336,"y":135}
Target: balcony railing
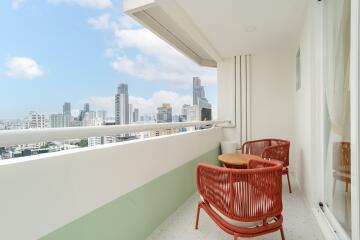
{"x":25,"y":136}
{"x":60,"y":195}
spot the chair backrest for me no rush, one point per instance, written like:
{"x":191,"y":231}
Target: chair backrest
{"x":243,"y":194}
{"x":255,"y":147}
{"x":342,"y":157}
{"x":276,"y":149}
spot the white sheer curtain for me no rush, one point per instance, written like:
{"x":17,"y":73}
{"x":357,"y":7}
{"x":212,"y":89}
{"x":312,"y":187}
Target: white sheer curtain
{"x":336,"y":77}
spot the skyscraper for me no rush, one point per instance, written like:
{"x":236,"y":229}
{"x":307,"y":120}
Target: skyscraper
{"x":67,"y":108}
{"x":199,"y":99}
{"x":190,"y":113}
{"x":82,"y":112}
{"x":101,"y":114}
{"x":205,"y":109}
{"x":136,"y":115}
{"x":57,"y":120}
{"x":122,"y":105}
{"x":89,"y":119}
{"x":131,"y":113}
{"x":86,"y":107}
{"x":164,"y":113}
{"x":198,"y":90}
{"x":67,"y":114}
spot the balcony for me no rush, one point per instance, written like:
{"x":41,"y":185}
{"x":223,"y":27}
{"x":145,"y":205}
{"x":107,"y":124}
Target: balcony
{"x":285,"y":72}
{"x":130,"y":190}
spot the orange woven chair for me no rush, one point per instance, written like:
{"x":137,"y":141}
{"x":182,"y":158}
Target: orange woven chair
{"x":274,"y":149}
{"x":341,"y":164}
{"x":242,"y":202}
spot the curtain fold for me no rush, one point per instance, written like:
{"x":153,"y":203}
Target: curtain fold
{"x":336,"y":79}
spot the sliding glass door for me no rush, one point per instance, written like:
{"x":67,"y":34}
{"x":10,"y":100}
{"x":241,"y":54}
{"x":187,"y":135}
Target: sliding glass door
{"x":337,"y":147}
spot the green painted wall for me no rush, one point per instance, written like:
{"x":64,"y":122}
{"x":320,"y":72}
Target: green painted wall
{"x":135,"y":215}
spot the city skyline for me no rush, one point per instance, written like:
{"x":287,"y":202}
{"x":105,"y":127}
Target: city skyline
{"x":95,"y":48}
{"x":67,"y":107}
{"x":88,"y":116}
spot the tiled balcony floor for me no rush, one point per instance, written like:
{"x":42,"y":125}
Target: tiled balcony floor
{"x":299,"y":223}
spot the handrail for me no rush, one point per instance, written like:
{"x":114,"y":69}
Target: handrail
{"x":27,"y":136}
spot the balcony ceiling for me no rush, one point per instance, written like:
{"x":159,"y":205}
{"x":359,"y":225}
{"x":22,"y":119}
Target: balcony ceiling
{"x":210,"y":31}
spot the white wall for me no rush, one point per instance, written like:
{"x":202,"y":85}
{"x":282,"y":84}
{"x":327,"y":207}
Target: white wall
{"x":272,"y":84}
{"x":41,"y":193}
{"x":308,"y":109}
{"x":226,"y":98}
{"x":272,"y":80}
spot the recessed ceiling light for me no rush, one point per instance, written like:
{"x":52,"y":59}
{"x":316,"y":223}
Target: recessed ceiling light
{"x":250,"y":29}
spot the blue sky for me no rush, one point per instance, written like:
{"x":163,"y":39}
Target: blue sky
{"x":52,"y":51}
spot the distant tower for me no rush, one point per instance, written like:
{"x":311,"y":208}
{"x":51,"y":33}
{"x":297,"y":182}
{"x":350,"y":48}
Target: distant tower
{"x":131,"y":113}
{"x":82,"y":112}
{"x":136,"y":115}
{"x":57,"y":120}
{"x":86,"y":107}
{"x":198,"y":90}
{"x":164,"y":113}
{"x":122,"y":105}
{"x":101,"y":114}
{"x":67,"y":108}
{"x":67,"y":114}
{"x":199,"y":100}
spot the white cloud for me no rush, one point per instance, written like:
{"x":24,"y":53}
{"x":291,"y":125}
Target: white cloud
{"x":100,"y":22}
{"x":147,"y":106}
{"x":157,"y":60}
{"x":23,"y":68}
{"x":100,"y":4}
{"x":16,"y":3}
{"x":107,"y":22}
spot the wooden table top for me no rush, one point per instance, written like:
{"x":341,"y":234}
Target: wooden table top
{"x":236,"y":159}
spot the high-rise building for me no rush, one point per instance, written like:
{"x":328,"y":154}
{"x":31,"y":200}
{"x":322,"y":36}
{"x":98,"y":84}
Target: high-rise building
{"x":35,"y":120}
{"x":131,"y":113}
{"x":90,"y":119}
{"x":206,"y":114}
{"x":199,"y":99}
{"x":190,"y":113}
{"x":101,"y":114}
{"x":205,"y":109}
{"x":176,"y":118}
{"x":67,"y":114}
{"x":122,"y":105}
{"x":86,"y":107}
{"x":57,"y":120}
{"x":164,"y":113}
{"x":198,"y":90}
{"x":82,"y":112}
{"x":136,"y":115}
{"x":67,"y":108}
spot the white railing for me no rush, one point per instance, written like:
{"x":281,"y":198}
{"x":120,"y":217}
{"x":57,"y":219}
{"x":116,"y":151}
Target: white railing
{"x":26,"y":136}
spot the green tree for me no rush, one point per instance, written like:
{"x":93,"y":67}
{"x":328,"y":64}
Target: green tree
{"x":83,"y":143}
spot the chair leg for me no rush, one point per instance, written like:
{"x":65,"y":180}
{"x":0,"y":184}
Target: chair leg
{"x":197,"y":217}
{"x":282,"y":233}
{"x":347,"y":187}
{"x":288,"y":178}
{"x":334,"y":185}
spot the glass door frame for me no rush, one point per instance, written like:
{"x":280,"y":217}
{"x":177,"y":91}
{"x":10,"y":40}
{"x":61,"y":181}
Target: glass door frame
{"x":355,"y":104}
{"x":355,"y":131}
